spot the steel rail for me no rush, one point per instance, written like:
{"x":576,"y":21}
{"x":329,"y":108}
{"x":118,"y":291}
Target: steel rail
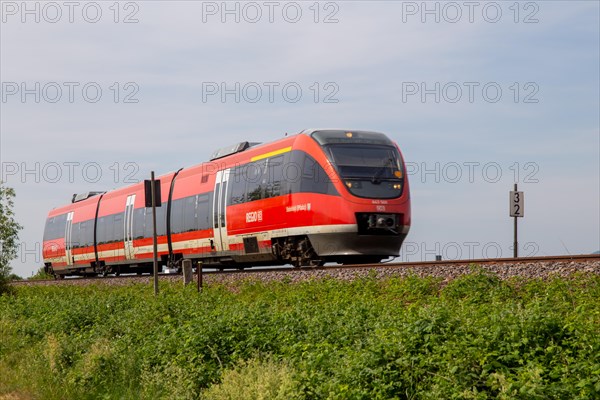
{"x":404,"y":264}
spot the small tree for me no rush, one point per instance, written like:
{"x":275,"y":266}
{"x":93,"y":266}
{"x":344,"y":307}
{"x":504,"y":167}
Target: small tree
{"x":9,"y":234}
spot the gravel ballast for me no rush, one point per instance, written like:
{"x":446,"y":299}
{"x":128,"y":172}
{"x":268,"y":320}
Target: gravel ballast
{"x":447,"y":272}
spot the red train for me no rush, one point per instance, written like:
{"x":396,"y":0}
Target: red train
{"x":307,"y":199}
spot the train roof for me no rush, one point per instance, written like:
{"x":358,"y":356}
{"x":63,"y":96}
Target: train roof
{"x":331,"y":136}
{"x":322,"y":136}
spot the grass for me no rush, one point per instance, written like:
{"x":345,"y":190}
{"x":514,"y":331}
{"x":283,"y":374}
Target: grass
{"x":413,"y":338}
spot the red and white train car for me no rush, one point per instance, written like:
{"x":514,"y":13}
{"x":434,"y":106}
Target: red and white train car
{"x":319,"y":196}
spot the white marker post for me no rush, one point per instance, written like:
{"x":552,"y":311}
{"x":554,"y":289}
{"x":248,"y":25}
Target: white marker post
{"x":517,"y":210}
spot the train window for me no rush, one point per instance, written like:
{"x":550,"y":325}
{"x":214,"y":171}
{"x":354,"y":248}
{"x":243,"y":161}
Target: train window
{"x":109,"y":229}
{"x":161,"y":222}
{"x":254,"y":180}
{"x":314,"y":177}
{"x":290,"y":173}
{"x":82,"y":234}
{"x":189,"y":214}
{"x":148,"y":224}
{"x":161,"y":219}
{"x":223,"y":217}
{"x":237,"y":186}
{"x":101,"y":231}
{"x":369,"y":171}
{"x":294,"y":171}
{"x":216,"y":207}
{"x":203,"y":210}
{"x":365,"y":162}
{"x":272,"y":176}
{"x":60,"y":225}
{"x":176,"y":216}
{"x":309,"y":166}
{"x":76,"y":236}
{"x":118,"y":228}
{"x":49,"y":229}
{"x":55,"y":227}
{"x":89,"y":233}
{"x":138,"y":222}
{"x":81,"y":240}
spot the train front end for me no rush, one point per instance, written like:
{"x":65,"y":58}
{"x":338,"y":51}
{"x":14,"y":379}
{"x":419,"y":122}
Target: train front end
{"x":369,"y":174}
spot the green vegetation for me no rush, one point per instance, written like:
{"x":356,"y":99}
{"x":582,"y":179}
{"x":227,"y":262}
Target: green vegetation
{"x":254,"y":380}
{"x":414,"y":338}
{"x":9,"y":235}
{"x":14,"y":277}
{"x":40,"y":274}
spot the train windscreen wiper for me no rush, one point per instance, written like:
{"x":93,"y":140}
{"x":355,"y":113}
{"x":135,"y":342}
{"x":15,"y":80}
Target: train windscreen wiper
{"x":375,"y":179}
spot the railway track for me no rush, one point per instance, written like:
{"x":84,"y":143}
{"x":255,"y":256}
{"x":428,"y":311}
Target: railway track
{"x":502,"y":265}
{"x":486,"y":261}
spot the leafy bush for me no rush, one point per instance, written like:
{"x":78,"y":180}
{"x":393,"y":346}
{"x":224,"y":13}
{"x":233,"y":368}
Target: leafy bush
{"x":254,"y":380}
{"x":5,"y":287}
{"x":476,"y":337}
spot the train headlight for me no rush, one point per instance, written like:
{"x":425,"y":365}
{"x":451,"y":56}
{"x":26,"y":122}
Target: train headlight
{"x":354,"y":185}
{"x":384,"y":221}
{"x":372,"y":221}
{"x":397,"y":186}
{"x":378,"y":224}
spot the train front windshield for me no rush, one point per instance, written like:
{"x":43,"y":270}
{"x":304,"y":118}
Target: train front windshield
{"x":370,"y":171}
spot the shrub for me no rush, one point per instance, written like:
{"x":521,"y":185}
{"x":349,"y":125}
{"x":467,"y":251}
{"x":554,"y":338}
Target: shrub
{"x":5,"y":287}
{"x":255,"y":380}
{"x":477,"y":337}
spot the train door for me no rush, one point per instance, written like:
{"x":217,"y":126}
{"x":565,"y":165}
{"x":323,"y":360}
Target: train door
{"x":68,"y":243}
{"x":128,"y":227}
{"x":219,"y":208}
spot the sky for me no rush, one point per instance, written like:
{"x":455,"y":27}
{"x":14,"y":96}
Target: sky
{"x":478,"y":95}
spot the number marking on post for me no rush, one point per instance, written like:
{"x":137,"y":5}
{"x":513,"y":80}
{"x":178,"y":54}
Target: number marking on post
{"x":517,"y":204}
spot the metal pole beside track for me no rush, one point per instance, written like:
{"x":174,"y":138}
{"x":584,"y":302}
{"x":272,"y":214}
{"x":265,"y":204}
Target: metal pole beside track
{"x":154,"y":245}
{"x":515,"y":242}
{"x":199,"y":270}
